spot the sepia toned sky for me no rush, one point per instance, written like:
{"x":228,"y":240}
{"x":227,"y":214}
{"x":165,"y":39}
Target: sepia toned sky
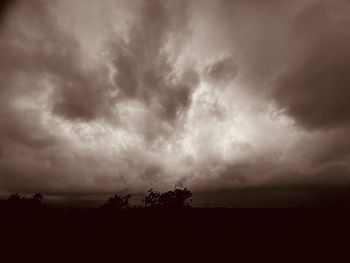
{"x":123,"y":95}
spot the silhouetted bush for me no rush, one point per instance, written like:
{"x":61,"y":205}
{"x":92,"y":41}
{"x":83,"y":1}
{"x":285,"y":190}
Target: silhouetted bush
{"x":117,"y":202}
{"x":152,"y":198}
{"x":177,"y":198}
{"x":15,"y":201}
{"x":38,"y":197}
{"x":35,"y":200}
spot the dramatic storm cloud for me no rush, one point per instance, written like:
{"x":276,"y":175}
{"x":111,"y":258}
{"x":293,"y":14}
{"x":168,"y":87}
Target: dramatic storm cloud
{"x":115,"y":95}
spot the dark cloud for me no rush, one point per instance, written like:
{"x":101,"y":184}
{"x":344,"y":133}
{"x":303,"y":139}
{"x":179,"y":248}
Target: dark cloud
{"x":224,"y":69}
{"x":79,"y":93}
{"x":35,"y":52}
{"x":256,"y":34}
{"x":4,"y":9}
{"x":145,"y":71}
{"x":315,"y":87}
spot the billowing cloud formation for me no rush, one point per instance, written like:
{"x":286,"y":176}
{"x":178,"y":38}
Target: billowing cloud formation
{"x":145,"y":69}
{"x":106,"y":96}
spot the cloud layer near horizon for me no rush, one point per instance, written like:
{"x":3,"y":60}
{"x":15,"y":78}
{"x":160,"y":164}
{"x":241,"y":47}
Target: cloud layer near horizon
{"x":106,"y":96}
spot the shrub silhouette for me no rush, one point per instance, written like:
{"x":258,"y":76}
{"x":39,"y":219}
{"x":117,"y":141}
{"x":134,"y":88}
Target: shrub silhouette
{"x":152,"y":198}
{"x":177,"y":198}
{"x":15,"y":200}
{"x":38,"y":197}
{"x":118,"y":202}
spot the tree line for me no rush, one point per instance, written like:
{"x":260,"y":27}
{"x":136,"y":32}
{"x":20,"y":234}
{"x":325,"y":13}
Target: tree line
{"x":175,"y":198}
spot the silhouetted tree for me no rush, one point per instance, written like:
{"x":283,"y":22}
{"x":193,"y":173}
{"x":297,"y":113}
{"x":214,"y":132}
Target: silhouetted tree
{"x":152,"y":199}
{"x":16,"y":201}
{"x":183,"y":197}
{"x":14,"y":198}
{"x":117,"y":202}
{"x":177,"y":198}
{"x":38,"y":196}
{"x":36,"y":199}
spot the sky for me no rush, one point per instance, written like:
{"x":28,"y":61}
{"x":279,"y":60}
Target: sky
{"x":223,"y":96}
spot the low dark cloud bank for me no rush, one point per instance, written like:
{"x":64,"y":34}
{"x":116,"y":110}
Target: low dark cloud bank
{"x":108,"y":96}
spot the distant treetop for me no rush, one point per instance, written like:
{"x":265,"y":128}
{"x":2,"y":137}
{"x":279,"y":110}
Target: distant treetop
{"x":176,"y":198}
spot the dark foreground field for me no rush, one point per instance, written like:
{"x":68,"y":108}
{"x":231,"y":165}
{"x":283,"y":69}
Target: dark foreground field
{"x":253,"y":232}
